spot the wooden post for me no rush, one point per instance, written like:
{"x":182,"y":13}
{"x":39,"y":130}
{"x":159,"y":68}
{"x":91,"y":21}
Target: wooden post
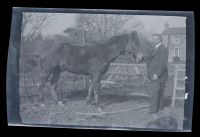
{"x":144,"y":76}
{"x":126,"y":73}
{"x":85,"y":82}
{"x":73,"y":81}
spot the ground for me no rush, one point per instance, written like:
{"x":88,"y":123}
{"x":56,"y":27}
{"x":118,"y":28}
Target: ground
{"x":125,"y":104}
{"x":77,"y":112}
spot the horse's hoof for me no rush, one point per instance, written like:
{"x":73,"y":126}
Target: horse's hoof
{"x":42,"y":106}
{"x":61,"y":104}
{"x":88,"y":102}
{"x":99,"y":108}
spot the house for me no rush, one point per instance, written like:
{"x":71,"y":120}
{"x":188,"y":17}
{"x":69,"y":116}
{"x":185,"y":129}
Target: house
{"x":175,"y":40}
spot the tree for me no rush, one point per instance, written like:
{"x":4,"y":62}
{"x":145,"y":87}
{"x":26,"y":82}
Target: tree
{"x":75,"y":36}
{"x":100,"y":27}
{"x":33,"y":24}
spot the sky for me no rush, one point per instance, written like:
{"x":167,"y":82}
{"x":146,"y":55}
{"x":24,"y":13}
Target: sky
{"x":63,"y":21}
{"x":156,"y":23}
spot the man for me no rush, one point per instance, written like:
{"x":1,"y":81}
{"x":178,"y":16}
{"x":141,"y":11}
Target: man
{"x":157,"y":73}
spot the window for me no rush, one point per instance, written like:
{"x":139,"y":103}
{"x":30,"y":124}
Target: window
{"x":175,"y":39}
{"x":176,"y":52}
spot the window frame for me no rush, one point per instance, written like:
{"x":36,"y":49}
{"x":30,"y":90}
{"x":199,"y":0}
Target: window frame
{"x":174,"y":51}
{"x":175,"y":39}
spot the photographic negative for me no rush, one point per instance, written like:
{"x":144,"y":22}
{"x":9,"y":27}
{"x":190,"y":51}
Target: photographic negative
{"x":101,"y":69}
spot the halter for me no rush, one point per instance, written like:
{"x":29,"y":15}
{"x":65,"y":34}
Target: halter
{"x":129,"y":41}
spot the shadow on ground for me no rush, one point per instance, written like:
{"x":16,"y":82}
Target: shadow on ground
{"x":109,"y":99}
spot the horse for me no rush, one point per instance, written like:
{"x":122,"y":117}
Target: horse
{"x":144,"y":48}
{"x":92,"y":61}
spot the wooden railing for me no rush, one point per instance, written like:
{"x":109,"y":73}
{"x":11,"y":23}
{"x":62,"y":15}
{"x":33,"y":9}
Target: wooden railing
{"x":115,"y":71}
{"x":178,"y":68}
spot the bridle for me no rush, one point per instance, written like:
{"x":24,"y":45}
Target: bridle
{"x":129,"y":43}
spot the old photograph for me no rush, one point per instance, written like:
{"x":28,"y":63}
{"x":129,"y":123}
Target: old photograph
{"x":102,"y":70}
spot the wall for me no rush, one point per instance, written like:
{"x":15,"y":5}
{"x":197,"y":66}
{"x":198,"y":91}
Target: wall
{"x":171,"y":46}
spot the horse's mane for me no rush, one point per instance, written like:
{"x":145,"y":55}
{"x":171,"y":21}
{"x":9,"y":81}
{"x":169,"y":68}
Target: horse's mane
{"x":109,"y":41}
{"x":116,"y":38}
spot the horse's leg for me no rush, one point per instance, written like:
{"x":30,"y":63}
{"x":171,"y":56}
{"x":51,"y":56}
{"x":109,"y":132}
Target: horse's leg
{"x":60,"y":101}
{"x":41,"y":89}
{"x":96,"y":82}
{"x":90,"y":90}
{"x":53,"y":93}
{"x":41,"y":96}
{"x":54,"y":84}
{"x":96,"y":92}
{"x":60,"y":98}
{"x":56,"y":97}
{"x":86,"y":83}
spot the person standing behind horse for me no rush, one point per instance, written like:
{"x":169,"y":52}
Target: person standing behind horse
{"x":157,"y":72}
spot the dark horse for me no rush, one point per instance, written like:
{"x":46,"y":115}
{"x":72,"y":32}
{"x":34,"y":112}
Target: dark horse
{"x":93,"y":61}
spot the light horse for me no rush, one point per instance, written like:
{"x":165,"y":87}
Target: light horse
{"x":92,"y":61}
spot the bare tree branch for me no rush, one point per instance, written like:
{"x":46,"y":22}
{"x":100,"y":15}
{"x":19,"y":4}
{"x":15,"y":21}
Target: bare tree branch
{"x":100,"y":27}
{"x":33,"y":24}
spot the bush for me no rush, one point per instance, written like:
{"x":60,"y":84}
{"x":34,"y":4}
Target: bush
{"x":176,"y":59}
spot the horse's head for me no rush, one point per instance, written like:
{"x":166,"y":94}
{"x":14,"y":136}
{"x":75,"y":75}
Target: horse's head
{"x":132,"y":43}
{"x":139,"y":47}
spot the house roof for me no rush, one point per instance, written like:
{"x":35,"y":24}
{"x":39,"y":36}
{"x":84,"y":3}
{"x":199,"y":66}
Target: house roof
{"x":175,"y":31}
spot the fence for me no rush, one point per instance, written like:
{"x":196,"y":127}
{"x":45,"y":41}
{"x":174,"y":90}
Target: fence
{"x":126,"y":73}
{"x":30,"y":78}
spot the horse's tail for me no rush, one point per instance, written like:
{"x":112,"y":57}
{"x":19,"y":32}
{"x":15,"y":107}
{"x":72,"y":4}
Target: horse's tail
{"x":46,"y":78}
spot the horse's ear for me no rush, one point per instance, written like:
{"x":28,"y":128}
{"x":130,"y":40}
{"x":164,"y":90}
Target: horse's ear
{"x":134,"y":34}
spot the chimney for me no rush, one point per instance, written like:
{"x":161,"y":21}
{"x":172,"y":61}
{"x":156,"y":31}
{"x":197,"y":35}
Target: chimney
{"x":166,"y":26}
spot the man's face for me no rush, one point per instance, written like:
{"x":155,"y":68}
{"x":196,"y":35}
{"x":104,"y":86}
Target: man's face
{"x":156,"y":40}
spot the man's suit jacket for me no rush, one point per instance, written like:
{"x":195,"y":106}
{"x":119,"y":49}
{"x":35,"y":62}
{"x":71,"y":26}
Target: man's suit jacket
{"x":157,"y":64}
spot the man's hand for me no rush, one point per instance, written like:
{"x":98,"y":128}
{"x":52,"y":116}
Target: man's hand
{"x":155,"y":77}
